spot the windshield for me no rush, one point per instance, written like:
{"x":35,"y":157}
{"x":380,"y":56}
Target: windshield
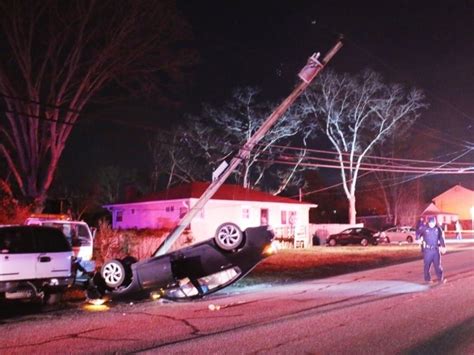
{"x":76,"y":234}
{"x":187,"y":288}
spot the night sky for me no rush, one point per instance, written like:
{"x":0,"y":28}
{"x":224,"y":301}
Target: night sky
{"x":427,"y":44}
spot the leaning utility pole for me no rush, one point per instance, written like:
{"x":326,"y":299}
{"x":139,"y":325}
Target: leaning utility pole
{"x":307,"y":74}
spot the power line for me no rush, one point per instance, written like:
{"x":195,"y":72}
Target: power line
{"x":332,"y":152}
{"x":28,"y":100}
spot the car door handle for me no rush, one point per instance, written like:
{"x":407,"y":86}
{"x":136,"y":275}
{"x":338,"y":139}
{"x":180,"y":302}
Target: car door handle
{"x":44,"y":259}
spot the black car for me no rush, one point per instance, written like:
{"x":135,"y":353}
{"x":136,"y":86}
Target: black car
{"x":191,"y":272}
{"x":361,"y":236}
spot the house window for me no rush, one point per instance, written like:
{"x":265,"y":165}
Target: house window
{"x":264,"y":217}
{"x":292,"y":217}
{"x":119,"y":216}
{"x":246,"y":213}
{"x":169,"y":209}
{"x":133,"y":211}
{"x":283,"y":217}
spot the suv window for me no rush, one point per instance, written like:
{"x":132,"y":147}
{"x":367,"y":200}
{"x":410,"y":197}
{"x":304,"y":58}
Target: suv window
{"x":50,"y":240}
{"x":76,"y":234}
{"x":16,"y":240}
{"x":25,"y":240}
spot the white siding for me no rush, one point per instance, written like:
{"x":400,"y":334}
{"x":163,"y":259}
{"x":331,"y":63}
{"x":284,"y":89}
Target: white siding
{"x":166,"y":214}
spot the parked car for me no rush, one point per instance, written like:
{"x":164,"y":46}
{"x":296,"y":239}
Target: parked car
{"x":398,"y":234}
{"x":357,"y":235}
{"x":79,"y":236}
{"x":191,"y":272}
{"x":35,"y":263}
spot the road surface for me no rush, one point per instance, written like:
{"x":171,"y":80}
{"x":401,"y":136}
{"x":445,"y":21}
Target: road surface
{"x":387,"y":310}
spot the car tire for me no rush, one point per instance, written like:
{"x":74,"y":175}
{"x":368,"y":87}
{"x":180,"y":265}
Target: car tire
{"x":52,"y":298}
{"x":364,"y":242}
{"x":332,"y":242}
{"x":113,"y":272}
{"x":409,"y":239}
{"x":228,"y":236}
{"x":128,"y":261}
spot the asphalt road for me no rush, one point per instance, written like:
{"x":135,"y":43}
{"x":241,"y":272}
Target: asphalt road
{"x":387,"y":310}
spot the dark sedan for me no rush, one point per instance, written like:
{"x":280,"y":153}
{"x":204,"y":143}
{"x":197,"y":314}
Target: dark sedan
{"x":191,"y":272}
{"x":361,"y":236}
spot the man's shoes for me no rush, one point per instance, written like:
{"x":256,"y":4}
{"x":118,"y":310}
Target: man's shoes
{"x":443,"y":281}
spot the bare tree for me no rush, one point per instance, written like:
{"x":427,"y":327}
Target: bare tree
{"x":58,"y":55}
{"x":401,"y":189}
{"x":356,"y":113}
{"x":186,"y":153}
{"x":238,"y":120}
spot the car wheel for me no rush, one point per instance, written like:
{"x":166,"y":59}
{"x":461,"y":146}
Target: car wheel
{"x":410,"y":239}
{"x":364,"y":242}
{"x":332,"y":242}
{"x":52,"y":298}
{"x":229,"y":236}
{"x":128,"y":261}
{"x":113,"y":273}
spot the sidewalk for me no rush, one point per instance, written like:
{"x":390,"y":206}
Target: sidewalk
{"x":459,"y":241}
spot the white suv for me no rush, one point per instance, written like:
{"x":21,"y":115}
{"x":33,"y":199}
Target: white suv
{"x":35,"y":263}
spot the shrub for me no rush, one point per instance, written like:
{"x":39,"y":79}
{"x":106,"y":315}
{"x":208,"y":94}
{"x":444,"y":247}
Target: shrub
{"x":11,"y":210}
{"x":139,"y":243}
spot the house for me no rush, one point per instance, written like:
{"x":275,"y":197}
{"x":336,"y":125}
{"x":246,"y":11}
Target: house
{"x":444,"y":218}
{"x":231,"y":203}
{"x":458,"y":200}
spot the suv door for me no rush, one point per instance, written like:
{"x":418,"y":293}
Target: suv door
{"x":54,"y":253}
{"x":17,"y":254}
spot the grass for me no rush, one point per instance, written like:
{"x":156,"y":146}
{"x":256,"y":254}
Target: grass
{"x":320,"y":262}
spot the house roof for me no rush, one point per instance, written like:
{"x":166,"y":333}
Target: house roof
{"x":456,"y":188}
{"x":225,"y":192}
{"x":435,"y":211}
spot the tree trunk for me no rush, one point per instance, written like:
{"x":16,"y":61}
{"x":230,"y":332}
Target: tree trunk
{"x":352,"y":210}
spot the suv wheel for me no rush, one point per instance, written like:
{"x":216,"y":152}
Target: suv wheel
{"x":52,"y":298}
{"x":410,"y":239}
{"x":364,"y":242}
{"x":113,"y":273}
{"x":228,"y":236}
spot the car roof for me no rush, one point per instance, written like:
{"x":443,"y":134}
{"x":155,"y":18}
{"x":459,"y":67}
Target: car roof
{"x":29,"y":226}
{"x":59,"y":221}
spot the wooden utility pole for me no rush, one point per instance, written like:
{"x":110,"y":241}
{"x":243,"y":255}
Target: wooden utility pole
{"x":307,"y":74}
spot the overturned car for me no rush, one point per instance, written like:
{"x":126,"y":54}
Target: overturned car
{"x":187,"y":273}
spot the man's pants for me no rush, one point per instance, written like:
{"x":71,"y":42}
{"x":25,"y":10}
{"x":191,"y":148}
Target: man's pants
{"x":432,"y":256}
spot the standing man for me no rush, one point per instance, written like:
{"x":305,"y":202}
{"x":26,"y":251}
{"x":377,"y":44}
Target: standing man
{"x":432,"y":239}
{"x":458,"y":230}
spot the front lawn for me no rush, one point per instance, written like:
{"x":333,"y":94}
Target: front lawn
{"x":319,"y":262}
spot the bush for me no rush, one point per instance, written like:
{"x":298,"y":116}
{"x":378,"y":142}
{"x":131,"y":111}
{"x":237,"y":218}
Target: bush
{"x":11,"y":210}
{"x":139,"y":243}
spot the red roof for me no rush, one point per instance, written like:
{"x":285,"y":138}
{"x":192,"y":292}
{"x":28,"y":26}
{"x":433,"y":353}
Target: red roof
{"x":225,"y":192}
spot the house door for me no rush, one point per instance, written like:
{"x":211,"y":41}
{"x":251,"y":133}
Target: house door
{"x":264,"y":216}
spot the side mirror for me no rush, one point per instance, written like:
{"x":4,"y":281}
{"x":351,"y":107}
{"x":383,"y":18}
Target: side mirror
{"x":93,"y":231}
